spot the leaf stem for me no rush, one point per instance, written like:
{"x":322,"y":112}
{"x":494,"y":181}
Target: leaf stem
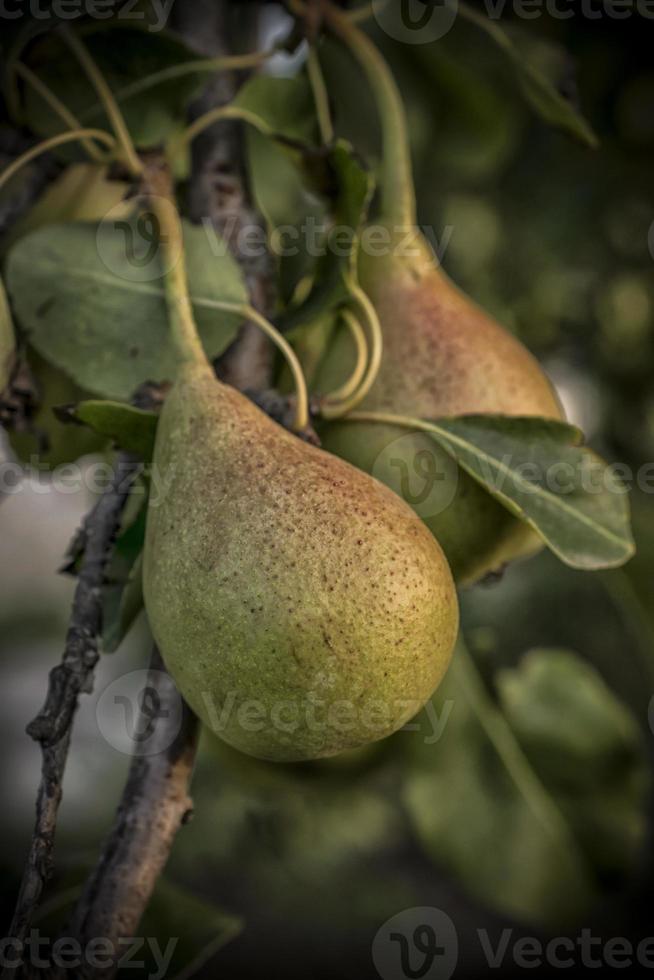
{"x":226,"y":63}
{"x":361,"y":345}
{"x":218,"y":114}
{"x":106,"y":96}
{"x":398,"y":206}
{"x":58,"y":107}
{"x":320,"y":96}
{"x":51,"y":144}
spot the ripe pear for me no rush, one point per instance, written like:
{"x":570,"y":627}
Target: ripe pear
{"x":443,"y":356}
{"x":299,"y":604}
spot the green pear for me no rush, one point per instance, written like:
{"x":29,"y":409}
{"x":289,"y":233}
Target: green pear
{"x":300,"y":605}
{"x":443,"y":356}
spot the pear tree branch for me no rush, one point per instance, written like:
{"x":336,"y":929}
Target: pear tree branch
{"x":72,"y":677}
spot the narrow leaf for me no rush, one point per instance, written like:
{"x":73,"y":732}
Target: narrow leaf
{"x":133,"y":429}
{"x":539,"y":91}
{"x":538,"y":470}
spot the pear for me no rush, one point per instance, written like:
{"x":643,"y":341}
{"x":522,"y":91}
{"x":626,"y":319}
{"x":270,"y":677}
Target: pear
{"x":442,"y":356}
{"x":300,"y":605}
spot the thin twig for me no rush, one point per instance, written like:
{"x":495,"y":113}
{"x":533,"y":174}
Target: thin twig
{"x":73,"y":676}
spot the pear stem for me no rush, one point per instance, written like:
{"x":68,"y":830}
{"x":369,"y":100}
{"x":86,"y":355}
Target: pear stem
{"x":58,"y":107}
{"x":398,"y":204}
{"x":105,"y":94}
{"x":320,"y":96}
{"x":213,"y":116}
{"x":171,"y":242}
{"x":52,"y":143}
{"x":376,"y":350}
{"x":361,"y":345}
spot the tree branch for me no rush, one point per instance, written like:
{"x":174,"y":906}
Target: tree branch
{"x":154,"y":805}
{"x":73,"y":676}
{"x":155,"y":802}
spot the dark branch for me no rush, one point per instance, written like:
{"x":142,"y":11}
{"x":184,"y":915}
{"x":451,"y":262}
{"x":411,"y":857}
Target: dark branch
{"x":154,"y":805}
{"x":155,"y":801}
{"x":73,"y":676}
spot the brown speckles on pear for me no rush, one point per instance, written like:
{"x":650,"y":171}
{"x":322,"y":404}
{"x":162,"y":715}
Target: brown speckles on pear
{"x":336,"y":567}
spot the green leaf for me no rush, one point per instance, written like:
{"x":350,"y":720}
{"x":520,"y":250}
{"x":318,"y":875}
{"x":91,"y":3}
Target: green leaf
{"x":539,"y":91}
{"x":538,"y":470}
{"x":352,"y":188}
{"x":289,"y":208}
{"x":191,"y":928}
{"x":284,"y":105}
{"x":482,"y":813}
{"x":125,"y":56}
{"x":7,"y":340}
{"x":122,"y":606}
{"x":587,"y":749}
{"x":122,"y":598}
{"x":92,"y":302}
{"x":83,"y":192}
{"x":133,"y":429}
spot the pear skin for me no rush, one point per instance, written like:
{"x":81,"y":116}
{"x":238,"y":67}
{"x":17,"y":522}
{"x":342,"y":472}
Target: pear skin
{"x":300,"y":605}
{"x":443,"y":356}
